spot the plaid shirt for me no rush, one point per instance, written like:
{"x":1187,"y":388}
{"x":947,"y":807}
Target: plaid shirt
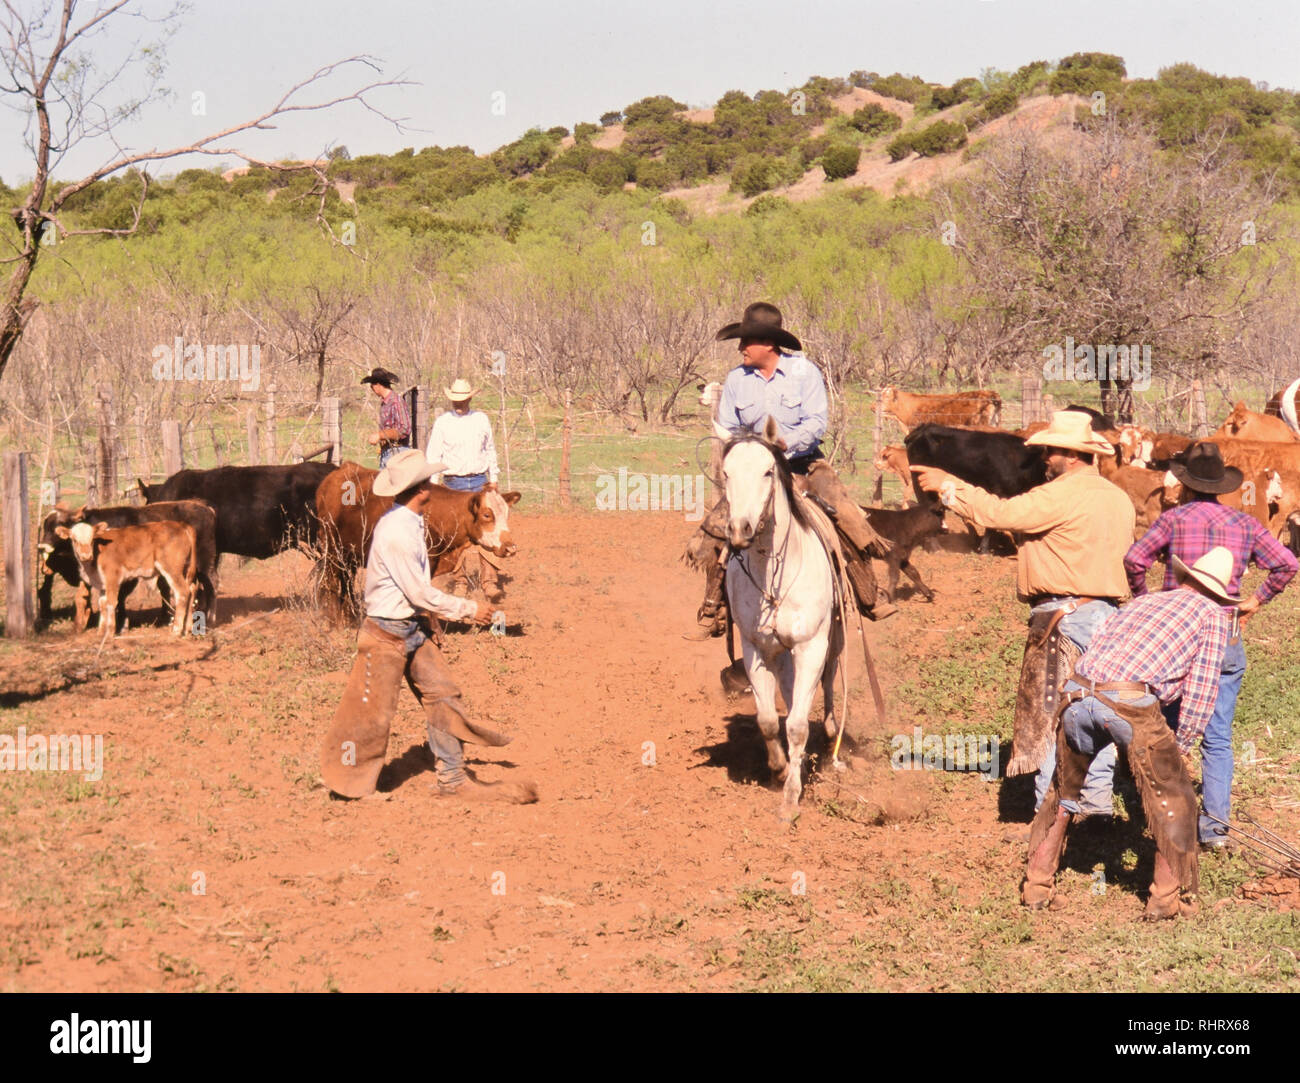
{"x":1173,"y":641}
{"x":1192,"y":530}
{"x":393,"y":414}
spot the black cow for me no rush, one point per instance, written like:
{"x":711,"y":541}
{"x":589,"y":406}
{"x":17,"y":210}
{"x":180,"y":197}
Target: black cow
{"x":58,"y":559}
{"x":261,"y":510}
{"x":998,"y":462}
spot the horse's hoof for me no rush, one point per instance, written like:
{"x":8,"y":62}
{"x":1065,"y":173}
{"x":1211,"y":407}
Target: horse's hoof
{"x":839,"y":766}
{"x":788,"y":814}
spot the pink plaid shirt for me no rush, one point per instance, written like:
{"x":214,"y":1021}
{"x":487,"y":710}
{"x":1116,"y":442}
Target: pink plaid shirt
{"x":1173,"y":641}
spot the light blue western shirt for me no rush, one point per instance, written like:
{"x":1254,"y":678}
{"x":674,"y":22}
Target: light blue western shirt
{"x":795,"y":396}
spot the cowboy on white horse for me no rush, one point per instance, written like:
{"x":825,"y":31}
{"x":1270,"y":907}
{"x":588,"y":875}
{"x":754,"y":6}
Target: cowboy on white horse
{"x":775,"y":380}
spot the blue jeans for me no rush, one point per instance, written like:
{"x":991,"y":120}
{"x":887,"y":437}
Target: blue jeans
{"x":1216,"y":744}
{"x":465,"y":483}
{"x":1093,"y":728}
{"x":388,"y":453}
{"x":1096,"y":799}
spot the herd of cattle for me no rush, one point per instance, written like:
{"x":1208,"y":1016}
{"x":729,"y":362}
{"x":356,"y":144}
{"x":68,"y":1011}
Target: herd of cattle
{"x":1263,"y":446}
{"x":176,"y":539}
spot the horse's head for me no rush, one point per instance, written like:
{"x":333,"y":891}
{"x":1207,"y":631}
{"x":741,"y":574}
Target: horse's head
{"x":752,"y":468}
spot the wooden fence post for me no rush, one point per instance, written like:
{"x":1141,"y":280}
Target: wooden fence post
{"x":269,"y":454}
{"x":20,"y":570}
{"x":171,"y":439}
{"x":253,"y":449}
{"x":331,"y":428}
{"x":1200,"y":426}
{"x":566,"y":490}
{"x":1049,"y":407}
{"x":417,"y":405}
{"x":877,"y":435}
{"x":106,"y":465}
{"x":1031,"y":400}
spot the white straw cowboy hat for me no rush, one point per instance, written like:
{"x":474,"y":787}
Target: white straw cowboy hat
{"x":1071,"y":430}
{"x":460,"y":391}
{"x":405,"y":469}
{"x":1212,"y":571}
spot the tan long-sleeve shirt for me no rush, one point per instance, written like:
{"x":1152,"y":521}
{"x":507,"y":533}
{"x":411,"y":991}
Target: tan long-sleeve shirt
{"x":1077,"y":529}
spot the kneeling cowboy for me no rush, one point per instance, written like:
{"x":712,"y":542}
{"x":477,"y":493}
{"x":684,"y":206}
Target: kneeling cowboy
{"x":1156,"y":649}
{"x":774,"y":379}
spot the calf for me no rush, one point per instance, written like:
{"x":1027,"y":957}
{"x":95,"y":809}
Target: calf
{"x":110,"y":556}
{"x":1283,"y":405}
{"x":57,"y":557}
{"x":960,"y":408}
{"x":893,"y":457}
{"x":1145,"y":488}
{"x":905,"y":530}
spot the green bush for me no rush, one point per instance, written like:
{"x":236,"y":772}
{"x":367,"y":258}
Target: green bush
{"x":873,"y":120}
{"x":841,"y":161}
{"x":941,"y":137}
{"x":812,"y":149}
{"x":614,"y":116}
{"x":583,"y":131}
{"x":997,"y":104}
{"x":906,"y":88}
{"x":651,"y":110}
{"x":960,"y":91}
{"x":754,"y":173}
{"x":1108,"y":62}
{"x":900,"y":148}
{"x":767,"y":204}
{"x":655,"y":174}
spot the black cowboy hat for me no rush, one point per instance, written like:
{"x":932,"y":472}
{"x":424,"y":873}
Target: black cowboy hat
{"x":380,"y":376}
{"x":1202,"y":469}
{"x":763,"y":322}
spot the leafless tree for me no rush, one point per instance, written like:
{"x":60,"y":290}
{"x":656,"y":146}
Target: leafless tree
{"x":1097,"y":234}
{"x":49,"y":76}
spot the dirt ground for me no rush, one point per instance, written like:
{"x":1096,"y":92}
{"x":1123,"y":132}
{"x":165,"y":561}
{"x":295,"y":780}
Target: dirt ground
{"x":210,"y":857}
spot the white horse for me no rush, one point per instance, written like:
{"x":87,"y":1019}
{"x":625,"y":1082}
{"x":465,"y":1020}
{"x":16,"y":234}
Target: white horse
{"x":780,"y":586}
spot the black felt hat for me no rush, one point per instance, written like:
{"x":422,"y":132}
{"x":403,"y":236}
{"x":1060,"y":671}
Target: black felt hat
{"x":1202,"y":469}
{"x":763,"y":322}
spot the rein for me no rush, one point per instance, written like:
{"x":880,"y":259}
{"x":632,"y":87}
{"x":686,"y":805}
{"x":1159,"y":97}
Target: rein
{"x":778,"y":557}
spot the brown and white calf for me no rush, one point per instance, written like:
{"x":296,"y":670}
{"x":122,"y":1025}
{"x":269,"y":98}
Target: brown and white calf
{"x":110,"y":555}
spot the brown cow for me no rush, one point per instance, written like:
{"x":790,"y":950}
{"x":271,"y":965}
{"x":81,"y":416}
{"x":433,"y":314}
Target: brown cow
{"x":348,"y":510}
{"x":1145,"y":488}
{"x":109,"y":555}
{"x":959,"y":408}
{"x":1243,"y":424}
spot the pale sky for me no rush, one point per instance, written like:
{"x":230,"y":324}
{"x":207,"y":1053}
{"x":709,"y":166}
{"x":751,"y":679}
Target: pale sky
{"x":563,"y":61}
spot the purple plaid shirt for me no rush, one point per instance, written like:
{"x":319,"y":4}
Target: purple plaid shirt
{"x":1173,"y":641}
{"x":1189,"y":531}
{"x":393,"y":414}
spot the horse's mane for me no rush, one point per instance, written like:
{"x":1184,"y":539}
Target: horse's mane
{"x":782,"y":472}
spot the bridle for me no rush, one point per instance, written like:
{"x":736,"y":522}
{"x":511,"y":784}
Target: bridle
{"x":778,"y":557}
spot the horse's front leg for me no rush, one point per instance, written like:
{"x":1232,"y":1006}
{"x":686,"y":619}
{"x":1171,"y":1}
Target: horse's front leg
{"x":809,"y":657}
{"x":763,"y":682}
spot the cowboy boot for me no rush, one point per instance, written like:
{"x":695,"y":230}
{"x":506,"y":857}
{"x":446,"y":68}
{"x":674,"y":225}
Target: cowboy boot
{"x":1046,"y":843}
{"x":712,"y":614}
{"x":1167,"y":899}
